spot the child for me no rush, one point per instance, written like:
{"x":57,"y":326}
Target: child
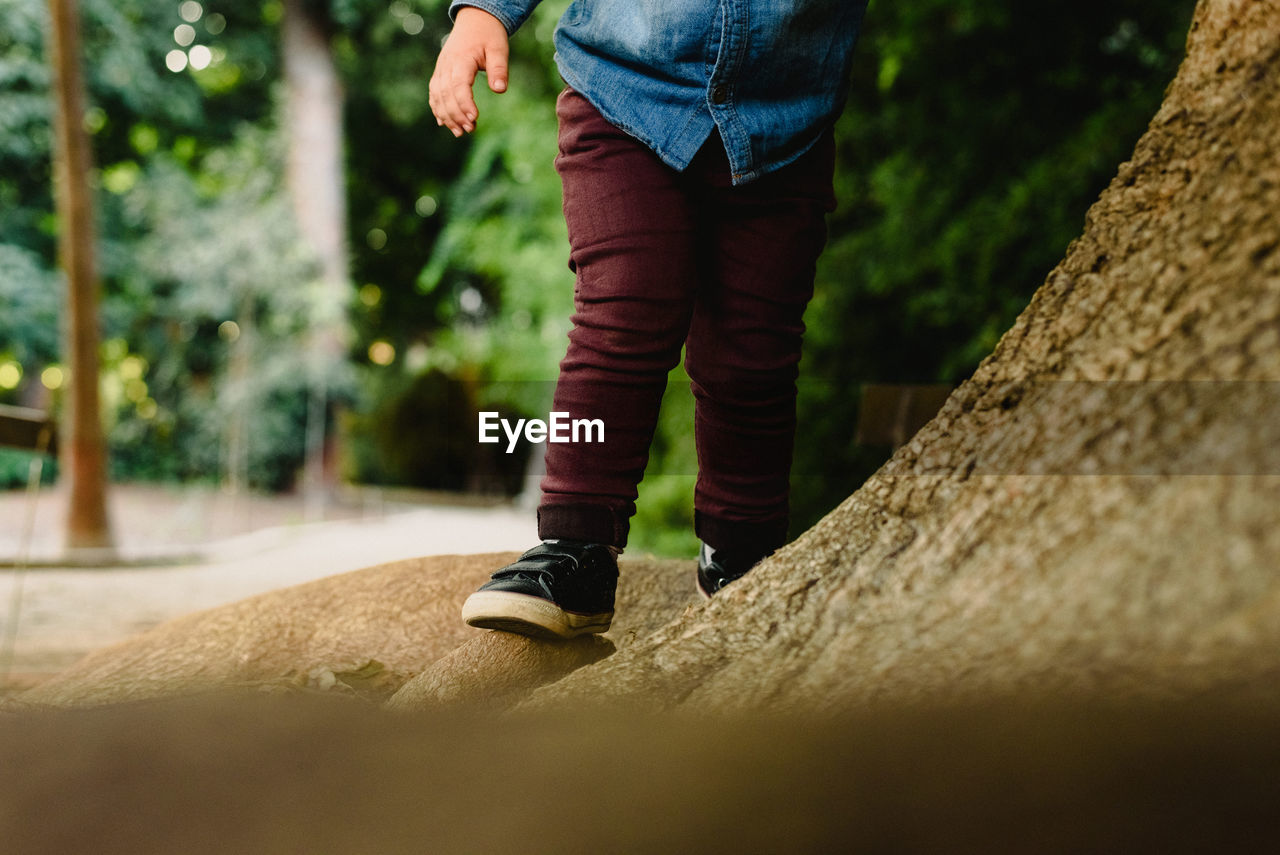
{"x":696,"y":157}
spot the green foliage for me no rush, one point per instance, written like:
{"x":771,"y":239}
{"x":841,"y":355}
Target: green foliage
{"x":399,"y":165}
{"x":663,"y":523}
{"x":499,"y":269}
{"x":193,"y":233}
{"x":24,"y":131}
{"x":976,"y":136}
{"x":225,"y":291}
{"x":30,"y":294}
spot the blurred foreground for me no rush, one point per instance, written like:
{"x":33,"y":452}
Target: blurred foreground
{"x":253,"y":773}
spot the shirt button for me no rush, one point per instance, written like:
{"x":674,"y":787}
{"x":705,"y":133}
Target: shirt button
{"x":720,"y":94}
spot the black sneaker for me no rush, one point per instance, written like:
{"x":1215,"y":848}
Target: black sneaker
{"x":716,"y":568}
{"x":558,"y":589}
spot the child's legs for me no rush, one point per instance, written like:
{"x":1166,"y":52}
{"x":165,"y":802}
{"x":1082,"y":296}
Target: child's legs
{"x":743,"y":349}
{"x":633,"y":247}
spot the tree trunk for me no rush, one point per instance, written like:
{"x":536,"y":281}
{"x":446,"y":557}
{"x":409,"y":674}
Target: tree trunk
{"x":84,"y":446}
{"x":1095,"y":511}
{"x":316,"y":184}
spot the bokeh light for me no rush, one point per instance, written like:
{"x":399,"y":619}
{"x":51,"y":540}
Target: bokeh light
{"x":426,"y":205}
{"x":370,"y":295}
{"x":190,"y":11}
{"x":376,"y":238}
{"x":10,"y":375}
{"x":416,"y":358}
{"x":175,"y":60}
{"x":53,"y":377}
{"x":200,"y":57}
{"x":229,"y":330}
{"x":95,"y":119}
{"x":184,"y":34}
{"x":133,"y":367}
{"x":471,"y":300}
{"x":121,"y":177}
{"x":144,"y":138}
{"x":382,"y":353}
{"x":115,"y":349}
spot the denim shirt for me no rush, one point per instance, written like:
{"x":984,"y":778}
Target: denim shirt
{"x":771,"y":75}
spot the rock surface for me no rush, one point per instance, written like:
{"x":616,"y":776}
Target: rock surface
{"x":366,"y":632}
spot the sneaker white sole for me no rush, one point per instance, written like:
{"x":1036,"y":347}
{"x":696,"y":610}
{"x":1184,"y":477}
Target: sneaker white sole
{"x":526,"y":615}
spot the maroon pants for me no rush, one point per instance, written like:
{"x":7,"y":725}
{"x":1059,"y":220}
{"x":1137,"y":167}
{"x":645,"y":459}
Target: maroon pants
{"x":666,"y":259}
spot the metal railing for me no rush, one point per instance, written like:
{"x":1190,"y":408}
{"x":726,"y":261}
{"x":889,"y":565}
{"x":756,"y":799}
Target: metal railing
{"x":32,"y":430}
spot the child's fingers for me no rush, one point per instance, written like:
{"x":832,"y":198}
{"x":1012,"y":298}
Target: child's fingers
{"x":436,"y":89}
{"x":450,"y":94}
{"x":460,"y":103}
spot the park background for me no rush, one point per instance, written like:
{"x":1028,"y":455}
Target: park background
{"x":975,"y":137}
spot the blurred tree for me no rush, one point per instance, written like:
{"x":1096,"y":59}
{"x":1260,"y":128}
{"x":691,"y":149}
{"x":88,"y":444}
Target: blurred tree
{"x":84,"y":447}
{"x":313,"y":119}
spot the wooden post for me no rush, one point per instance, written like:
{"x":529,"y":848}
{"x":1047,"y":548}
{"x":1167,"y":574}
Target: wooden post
{"x":84,"y":451}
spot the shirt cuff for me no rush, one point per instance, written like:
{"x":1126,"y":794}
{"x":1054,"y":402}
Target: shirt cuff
{"x":512,"y":13}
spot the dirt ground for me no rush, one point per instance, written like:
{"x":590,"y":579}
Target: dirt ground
{"x":182,"y":550}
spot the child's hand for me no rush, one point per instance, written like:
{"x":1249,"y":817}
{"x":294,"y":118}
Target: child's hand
{"x":478,"y":42}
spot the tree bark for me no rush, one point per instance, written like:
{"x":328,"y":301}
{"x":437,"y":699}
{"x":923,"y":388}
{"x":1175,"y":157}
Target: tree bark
{"x":317,"y":187}
{"x":84,"y":446}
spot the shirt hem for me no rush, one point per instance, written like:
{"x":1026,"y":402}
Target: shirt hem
{"x":677,"y":157}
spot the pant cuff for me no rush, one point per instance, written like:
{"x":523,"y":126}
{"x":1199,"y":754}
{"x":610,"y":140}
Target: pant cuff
{"x":749,"y":541}
{"x":592,"y":523}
